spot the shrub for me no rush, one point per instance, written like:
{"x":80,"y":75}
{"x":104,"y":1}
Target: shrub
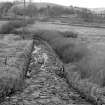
{"x":47,"y":34}
{"x":69,"y":50}
{"x":42,"y":34}
{"x":7,"y":28}
{"x":69,"y":34}
{"x":10,"y":26}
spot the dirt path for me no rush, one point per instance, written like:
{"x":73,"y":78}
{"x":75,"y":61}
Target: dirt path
{"x":43,"y":85}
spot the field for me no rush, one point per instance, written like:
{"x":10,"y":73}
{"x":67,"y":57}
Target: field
{"x":83,"y":31}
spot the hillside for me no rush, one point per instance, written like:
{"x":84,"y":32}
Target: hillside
{"x":50,"y":10}
{"x":38,"y":5}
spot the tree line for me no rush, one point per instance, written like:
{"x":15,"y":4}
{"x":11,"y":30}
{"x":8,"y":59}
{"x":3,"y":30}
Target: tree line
{"x":51,"y":11}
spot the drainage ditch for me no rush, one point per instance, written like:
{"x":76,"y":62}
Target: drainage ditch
{"x":45,"y":84}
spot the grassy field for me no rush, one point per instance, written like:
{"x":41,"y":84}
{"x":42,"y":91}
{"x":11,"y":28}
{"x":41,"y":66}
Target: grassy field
{"x":83,"y":31}
{"x":76,"y":21}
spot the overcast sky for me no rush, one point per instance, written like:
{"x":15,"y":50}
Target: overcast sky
{"x":80,"y":3}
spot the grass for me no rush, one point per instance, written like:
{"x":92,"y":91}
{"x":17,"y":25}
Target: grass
{"x":88,"y":74}
{"x":14,"y":58}
{"x":93,"y":64}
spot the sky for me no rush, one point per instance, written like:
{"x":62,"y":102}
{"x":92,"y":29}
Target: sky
{"x":80,"y":3}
